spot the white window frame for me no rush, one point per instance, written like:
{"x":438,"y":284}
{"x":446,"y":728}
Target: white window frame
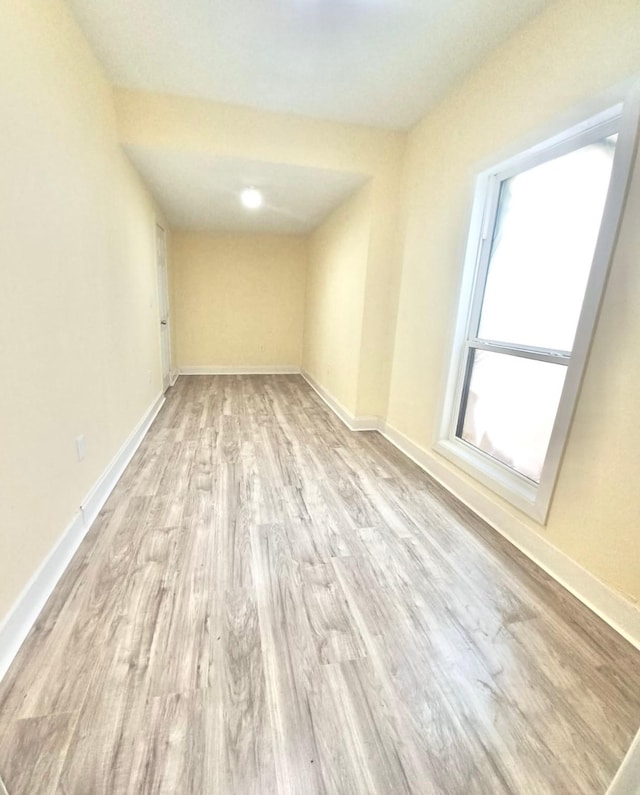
{"x":532,"y":498}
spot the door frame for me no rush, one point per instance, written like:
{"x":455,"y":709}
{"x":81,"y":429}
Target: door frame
{"x":164,"y":307}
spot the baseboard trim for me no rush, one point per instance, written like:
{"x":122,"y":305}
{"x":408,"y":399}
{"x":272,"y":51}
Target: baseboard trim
{"x":627,"y":779}
{"x":621,"y":614}
{"x":352,"y":422}
{"x":28,"y":606}
{"x":33,"y":598}
{"x":267,"y":369}
{"x":96,"y":498}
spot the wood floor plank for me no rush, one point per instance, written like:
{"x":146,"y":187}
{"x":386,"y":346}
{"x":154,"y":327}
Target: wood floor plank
{"x":119,"y":681}
{"x":287,"y":648}
{"x":188,"y":591}
{"x":523,"y":691}
{"x":270,"y":603}
{"x":438,"y":742}
{"x":44,"y":742}
{"x":334,"y":631}
{"x":247,"y":761}
{"x":361,"y":749}
{"x":170,"y":754}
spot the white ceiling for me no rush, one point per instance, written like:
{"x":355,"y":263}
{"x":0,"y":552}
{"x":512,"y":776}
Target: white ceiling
{"x":376,"y":62}
{"x":201,"y":193}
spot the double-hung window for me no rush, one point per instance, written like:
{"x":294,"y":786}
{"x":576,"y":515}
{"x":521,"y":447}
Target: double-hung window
{"x":542,"y":234}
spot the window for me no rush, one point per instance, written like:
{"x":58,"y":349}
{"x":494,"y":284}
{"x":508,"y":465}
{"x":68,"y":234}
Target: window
{"x":542,"y":234}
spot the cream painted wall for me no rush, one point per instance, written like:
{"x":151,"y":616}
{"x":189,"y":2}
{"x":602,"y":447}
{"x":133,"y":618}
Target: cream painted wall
{"x":238,"y":299}
{"x":336,"y":286}
{"x":79,"y":346}
{"x":382,"y":289}
{"x":352,"y":296}
{"x":187,"y":124}
{"x":571,"y":52}
{"x":184,"y":124}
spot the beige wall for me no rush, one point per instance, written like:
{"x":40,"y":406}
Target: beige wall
{"x":165,"y":121}
{"x":338,"y":255}
{"x":79,"y":349}
{"x":382,"y":287}
{"x":179,"y":124}
{"x":571,"y":52}
{"x":352,"y":296}
{"x":238,"y":299}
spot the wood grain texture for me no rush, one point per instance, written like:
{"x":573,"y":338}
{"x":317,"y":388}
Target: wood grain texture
{"x":271,"y":604}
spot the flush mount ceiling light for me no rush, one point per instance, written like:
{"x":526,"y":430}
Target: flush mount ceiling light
{"x":251,"y":198}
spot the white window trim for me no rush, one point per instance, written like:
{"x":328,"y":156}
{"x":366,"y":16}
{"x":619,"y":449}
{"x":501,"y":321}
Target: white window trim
{"x":533,"y":499}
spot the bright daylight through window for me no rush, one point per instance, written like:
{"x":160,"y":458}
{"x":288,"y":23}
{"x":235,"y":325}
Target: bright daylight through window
{"x":545,"y":230}
{"x":537,"y":255}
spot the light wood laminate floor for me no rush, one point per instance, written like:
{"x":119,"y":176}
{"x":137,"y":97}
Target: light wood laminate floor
{"x":270,"y":603}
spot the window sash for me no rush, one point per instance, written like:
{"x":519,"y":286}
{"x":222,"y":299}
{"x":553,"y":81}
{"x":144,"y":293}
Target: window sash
{"x":558,"y":358}
{"x":526,"y":351}
{"x":577,"y":140}
{"x":561,"y":358}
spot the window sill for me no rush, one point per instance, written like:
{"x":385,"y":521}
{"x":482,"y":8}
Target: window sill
{"x":519,"y":491}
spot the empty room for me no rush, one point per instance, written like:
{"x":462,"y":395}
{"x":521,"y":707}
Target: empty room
{"x":319,"y":419}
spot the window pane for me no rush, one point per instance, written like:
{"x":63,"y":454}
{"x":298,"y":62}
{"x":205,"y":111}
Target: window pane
{"x":543,"y":243}
{"x":511,"y":407}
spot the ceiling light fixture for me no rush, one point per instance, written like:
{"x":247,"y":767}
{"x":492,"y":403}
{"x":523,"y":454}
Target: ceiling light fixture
{"x":251,"y":198}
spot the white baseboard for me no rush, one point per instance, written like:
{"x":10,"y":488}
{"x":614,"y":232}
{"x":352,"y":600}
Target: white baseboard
{"x":627,"y":779}
{"x":613,"y":608}
{"x":96,"y":498}
{"x":267,"y":369}
{"x":27,"y":608}
{"x":352,"y":422}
